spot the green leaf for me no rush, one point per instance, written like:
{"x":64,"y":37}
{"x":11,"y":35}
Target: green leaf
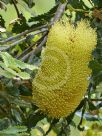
{"x":23,"y":75}
{"x":99,"y":88}
{"x":95,"y":66}
{"x":6,"y":1}
{"x":30,"y":3}
{"x":12,"y":67}
{"x":16,"y":115}
{"x":8,"y":59}
{"x":13,"y":131}
{"x":96,"y":71}
{"x":2,"y":22}
{"x":23,"y":65}
{"x":92,"y":106}
{"x":20,"y":26}
{"x":8,"y":69}
{"x":47,"y":16}
{"x":62,"y":1}
{"x":6,"y":73}
{"x":4,"y":123}
{"x":14,"y":63}
{"x":34,"y":118}
{"x":9,"y":73}
{"x":3,"y":5}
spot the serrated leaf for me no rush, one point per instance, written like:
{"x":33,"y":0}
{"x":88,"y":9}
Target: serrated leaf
{"x":20,"y":26}
{"x":2,"y":22}
{"x":47,"y":16}
{"x":4,"y":123}
{"x":6,"y":73}
{"x":99,"y":88}
{"x":34,"y":118}
{"x":24,"y":75}
{"x":12,"y":67}
{"x":92,"y":106}
{"x":8,"y":59}
{"x":6,"y":1}
{"x":8,"y":69}
{"x":96,"y":71}
{"x":16,"y":115}
{"x":2,"y":5}
{"x":95,"y":66}
{"x":9,"y":73}
{"x":15,"y":130}
{"x":14,"y":63}
{"x":30,"y":3}
{"x":23,"y":65}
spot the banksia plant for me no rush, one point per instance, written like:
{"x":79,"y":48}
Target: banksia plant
{"x":62,"y":79}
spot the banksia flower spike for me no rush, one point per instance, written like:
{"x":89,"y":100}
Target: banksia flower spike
{"x":62,"y":79}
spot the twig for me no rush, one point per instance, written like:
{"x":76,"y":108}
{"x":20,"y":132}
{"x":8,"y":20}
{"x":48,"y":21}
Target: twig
{"x":12,"y":45}
{"x":58,"y":13}
{"x":26,"y":51}
{"x":36,"y":50}
{"x":89,"y":89}
{"x":29,"y":48}
{"x":82,"y":115}
{"x":43,"y":28}
{"x":14,"y":3}
{"x":96,"y":99}
{"x":21,"y":40}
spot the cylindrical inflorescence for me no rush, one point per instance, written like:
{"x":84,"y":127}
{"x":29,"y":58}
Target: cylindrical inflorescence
{"x":62,"y":79}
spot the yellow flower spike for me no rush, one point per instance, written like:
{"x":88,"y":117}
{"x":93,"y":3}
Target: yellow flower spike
{"x":62,"y":79}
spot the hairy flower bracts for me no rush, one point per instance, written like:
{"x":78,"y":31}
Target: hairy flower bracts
{"x":62,"y":79}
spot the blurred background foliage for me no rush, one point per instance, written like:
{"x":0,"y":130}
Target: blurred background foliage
{"x":24,"y":25}
{"x":40,"y":7}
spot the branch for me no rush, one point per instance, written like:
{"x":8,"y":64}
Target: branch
{"x":43,"y":28}
{"x":89,"y":89}
{"x":24,"y":33}
{"x":12,"y":45}
{"x":14,"y":3}
{"x":30,"y":48}
{"x":82,"y":115}
{"x":6,"y":48}
{"x":36,"y":50}
{"x":59,"y":13}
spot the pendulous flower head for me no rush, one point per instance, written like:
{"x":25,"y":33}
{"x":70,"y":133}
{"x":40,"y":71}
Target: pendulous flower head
{"x":62,"y":79}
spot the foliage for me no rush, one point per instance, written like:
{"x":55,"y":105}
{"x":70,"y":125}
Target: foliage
{"x":21,"y":42}
{"x":12,"y":67}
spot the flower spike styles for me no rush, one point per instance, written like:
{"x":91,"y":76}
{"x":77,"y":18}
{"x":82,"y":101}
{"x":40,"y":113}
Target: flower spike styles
{"x":62,"y":79}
